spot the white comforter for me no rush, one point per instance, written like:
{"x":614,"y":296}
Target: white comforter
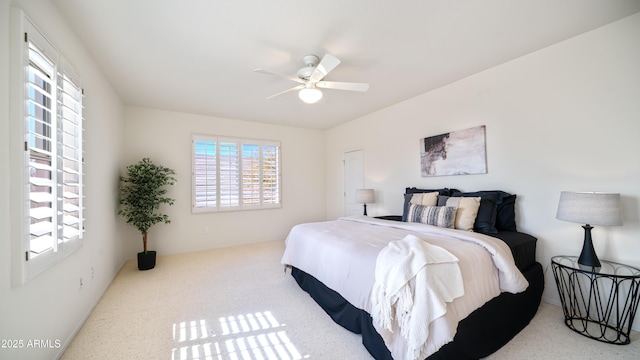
{"x":342,"y":255}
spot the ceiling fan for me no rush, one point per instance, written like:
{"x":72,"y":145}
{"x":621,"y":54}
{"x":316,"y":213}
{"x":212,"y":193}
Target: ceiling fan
{"x":310,"y":79}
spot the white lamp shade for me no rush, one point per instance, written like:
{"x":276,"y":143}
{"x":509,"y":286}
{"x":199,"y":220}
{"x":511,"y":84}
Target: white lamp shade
{"x":593,"y":208}
{"x":310,"y":95}
{"x":365,"y":196}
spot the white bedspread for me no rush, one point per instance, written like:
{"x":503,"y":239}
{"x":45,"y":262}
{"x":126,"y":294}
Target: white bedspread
{"x":342,"y":255}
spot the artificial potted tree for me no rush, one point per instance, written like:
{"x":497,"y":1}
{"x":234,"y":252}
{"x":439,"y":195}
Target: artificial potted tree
{"x":142,"y":191}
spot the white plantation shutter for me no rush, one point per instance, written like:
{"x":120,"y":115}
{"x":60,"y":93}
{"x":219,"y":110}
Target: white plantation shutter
{"x":51,"y":119}
{"x":271,"y":174}
{"x":205,"y":171}
{"x":229,"y":173}
{"x":250,"y":174}
{"x":40,"y":125}
{"x":70,"y":191}
{"x":235,"y":174}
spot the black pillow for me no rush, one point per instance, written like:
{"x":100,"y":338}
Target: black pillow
{"x":505,"y":210}
{"x":413,"y":190}
{"x":506,"y":215}
{"x":408,"y":193}
{"x":487,"y":213}
{"x":442,"y":200}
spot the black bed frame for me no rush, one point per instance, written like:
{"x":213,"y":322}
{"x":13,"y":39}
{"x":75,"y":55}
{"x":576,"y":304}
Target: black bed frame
{"x":480,"y":334}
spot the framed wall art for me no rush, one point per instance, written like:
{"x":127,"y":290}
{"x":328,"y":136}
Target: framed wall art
{"x":461,"y":152}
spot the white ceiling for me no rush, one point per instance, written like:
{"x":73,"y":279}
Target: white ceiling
{"x":198,"y":56}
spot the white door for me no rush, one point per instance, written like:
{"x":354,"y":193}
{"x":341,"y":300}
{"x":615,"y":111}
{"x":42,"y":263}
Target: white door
{"x":353,"y":179}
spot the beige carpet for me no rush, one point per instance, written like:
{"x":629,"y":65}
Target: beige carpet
{"x":237,"y":303}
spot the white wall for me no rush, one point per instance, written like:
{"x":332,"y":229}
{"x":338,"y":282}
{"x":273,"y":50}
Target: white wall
{"x":165,"y":137}
{"x":52,"y":306}
{"x":564,"y":118}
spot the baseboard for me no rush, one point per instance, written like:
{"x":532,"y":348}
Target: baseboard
{"x":85,"y":317}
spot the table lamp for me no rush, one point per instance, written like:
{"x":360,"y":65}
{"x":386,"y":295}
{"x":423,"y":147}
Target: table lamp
{"x":365,"y":196}
{"x":589,"y":208}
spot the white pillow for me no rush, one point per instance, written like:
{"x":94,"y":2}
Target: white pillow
{"x":425,"y":199}
{"x":467,"y":211}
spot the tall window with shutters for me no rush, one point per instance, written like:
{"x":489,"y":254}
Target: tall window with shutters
{"x":235,"y":174}
{"x":49,"y":115}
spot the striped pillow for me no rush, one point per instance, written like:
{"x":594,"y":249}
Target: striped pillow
{"x":442,"y":216}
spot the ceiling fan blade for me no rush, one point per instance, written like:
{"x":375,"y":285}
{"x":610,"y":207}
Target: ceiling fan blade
{"x":292,"y":78}
{"x":343,"y":85}
{"x":287,"y":91}
{"x":327,"y":64}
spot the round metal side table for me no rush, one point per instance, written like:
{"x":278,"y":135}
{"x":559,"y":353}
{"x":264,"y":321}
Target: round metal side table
{"x":599,"y":303}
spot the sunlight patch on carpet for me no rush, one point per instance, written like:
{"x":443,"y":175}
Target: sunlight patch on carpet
{"x":256,"y":336}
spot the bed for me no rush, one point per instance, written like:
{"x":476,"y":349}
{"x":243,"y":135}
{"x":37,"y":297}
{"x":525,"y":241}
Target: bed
{"x":338,"y":263}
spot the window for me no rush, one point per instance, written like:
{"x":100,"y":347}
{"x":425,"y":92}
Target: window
{"x":235,"y":174}
{"x":48,"y":114}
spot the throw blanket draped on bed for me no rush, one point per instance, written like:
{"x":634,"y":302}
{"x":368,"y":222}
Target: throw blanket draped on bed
{"x":342,"y":255}
{"x":414,"y":282}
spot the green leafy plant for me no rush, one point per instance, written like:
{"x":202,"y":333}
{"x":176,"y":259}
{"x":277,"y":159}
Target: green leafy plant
{"x":142,"y":192}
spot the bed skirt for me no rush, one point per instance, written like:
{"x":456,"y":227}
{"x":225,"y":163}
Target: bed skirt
{"x":480,"y":334}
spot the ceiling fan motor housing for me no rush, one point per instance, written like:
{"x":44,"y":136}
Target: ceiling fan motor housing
{"x":310,"y":61}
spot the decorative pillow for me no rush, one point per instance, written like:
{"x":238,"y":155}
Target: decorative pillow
{"x":506,"y":214}
{"x":442,"y":216}
{"x":442,"y":200}
{"x":426,"y":199}
{"x":467,"y":211}
{"x":412,"y":190}
{"x":486,"y":218}
{"x":504,"y":218}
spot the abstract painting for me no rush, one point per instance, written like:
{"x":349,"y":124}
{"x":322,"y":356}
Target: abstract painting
{"x":459,"y":152}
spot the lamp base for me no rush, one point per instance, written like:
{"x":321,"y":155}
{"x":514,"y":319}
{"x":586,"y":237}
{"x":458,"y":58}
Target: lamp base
{"x":365,"y":209}
{"x":588,"y":255}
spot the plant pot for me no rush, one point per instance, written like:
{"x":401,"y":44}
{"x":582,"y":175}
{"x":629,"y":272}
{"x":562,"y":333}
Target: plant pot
{"x":146,"y":261}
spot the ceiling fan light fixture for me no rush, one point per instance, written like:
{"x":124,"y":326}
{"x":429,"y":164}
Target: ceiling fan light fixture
{"x":310,"y":79}
{"x":310,"y":95}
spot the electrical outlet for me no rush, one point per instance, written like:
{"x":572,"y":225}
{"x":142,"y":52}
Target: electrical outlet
{"x":205,"y":230}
